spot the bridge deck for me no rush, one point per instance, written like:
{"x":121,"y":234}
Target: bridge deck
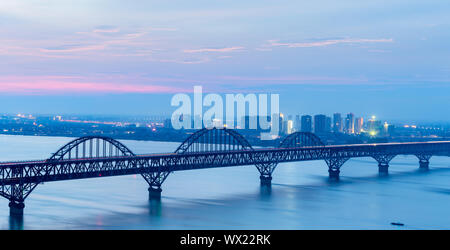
{"x":353,"y":147}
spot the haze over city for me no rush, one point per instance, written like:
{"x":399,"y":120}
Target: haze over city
{"x":383,"y":58}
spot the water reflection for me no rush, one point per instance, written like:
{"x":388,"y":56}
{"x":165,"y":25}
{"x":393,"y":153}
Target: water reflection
{"x":155,"y":208}
{"x":16,"y":222}
{"x":265,"y":192}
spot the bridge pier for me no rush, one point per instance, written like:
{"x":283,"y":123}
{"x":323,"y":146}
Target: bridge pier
{"x":265,"y":171}
{"x":265,"y":180}
{"x":333,"y":174}
{"x":424,"y":161}
{"x":155,"y":180}
{"x":383,"y":162}
{"x":16,"y":208}
{"x":154,"y":193}
{"x":383,"y":168}
{"x":334,"y":166}
{"x":424,"y":165}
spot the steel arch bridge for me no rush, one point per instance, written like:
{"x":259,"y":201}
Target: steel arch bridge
{"x":96,"y":156}
{"x":91,"y":147}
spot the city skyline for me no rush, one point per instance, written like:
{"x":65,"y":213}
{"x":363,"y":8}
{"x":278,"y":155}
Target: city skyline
{"x":391,"y":62}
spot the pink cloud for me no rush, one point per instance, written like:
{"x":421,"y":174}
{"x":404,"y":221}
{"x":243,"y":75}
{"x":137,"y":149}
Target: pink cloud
{"x":68,"y":85}
{"x":106,"y":30}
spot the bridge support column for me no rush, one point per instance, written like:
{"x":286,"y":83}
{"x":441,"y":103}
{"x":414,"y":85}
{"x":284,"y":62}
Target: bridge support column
{"x":155,"y":180}
{"x":383,"y":162}
{"x":334,"y":174}
{"x":265,"y":180}
{"x":334,"y":166}
{"x":424,"y":161}
{"x":383,"y":169}
{"x":424,"y":165}
{"x":154,"y":193}
{"x":16,"y":208}
{"x":266,"y":171}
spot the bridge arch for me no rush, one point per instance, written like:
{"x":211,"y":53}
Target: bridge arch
{"x":90,"y":147}
{"x":211,"y":140}
{"x":294,"y":140}
{"x":301,"y":139}
{"x":203,"y":140}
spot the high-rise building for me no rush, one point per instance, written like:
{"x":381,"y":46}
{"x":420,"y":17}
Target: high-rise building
{"x":297,"y":123}
{"x":284,"y":122}
{"x":337,"y":123}
{"x":327,"y":124}
{"x":306,"y":125}
{"x":374,"y":127}
{"x":350,"y":123}
{"x":320,"y":124}
{"x":359,"y":125}
{"x":290,"y":127}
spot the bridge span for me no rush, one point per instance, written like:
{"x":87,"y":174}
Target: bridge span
{"x":94,"y":156}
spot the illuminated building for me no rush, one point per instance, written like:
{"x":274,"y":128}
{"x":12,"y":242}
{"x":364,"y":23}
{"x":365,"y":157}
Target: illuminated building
{"x":337,"y":123}
{"x":359,"y":125}
{"x":350,"y":123}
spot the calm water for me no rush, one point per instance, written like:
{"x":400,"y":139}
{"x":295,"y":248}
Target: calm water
{"x":231,"y":198}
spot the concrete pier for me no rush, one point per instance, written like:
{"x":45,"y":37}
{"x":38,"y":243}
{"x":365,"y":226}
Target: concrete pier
{"x":334,"y":174}
{"x":424,"y":165}
{"x":16,"y":208}
{"x":383,"y":169}
{"x":265,"y":180}
{"x":154,"y":193}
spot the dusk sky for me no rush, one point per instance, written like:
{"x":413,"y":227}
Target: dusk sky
{"x":387,"y":58}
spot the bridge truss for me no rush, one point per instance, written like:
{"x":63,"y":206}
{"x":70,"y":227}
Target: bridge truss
{"x":91,"y":157}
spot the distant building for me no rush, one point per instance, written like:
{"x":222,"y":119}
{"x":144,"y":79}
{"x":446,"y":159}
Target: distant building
{"x":290,"y":127}
{"x":374,"y":127}
{"x":337,"y":123}
{"x":328,"y":124}
{"x":283,"y":124}
{"x":297,"y":123}
{"x":359,"y":125}
{"x":168,"y":123}
{"x":350,"y":123}
{"x":320,"y":124}
{"x":306,"y":125}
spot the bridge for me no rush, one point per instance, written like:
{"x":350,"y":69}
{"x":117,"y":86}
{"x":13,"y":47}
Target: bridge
{"x":96,"y":156}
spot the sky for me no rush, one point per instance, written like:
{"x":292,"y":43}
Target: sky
{"x":384,"y":58}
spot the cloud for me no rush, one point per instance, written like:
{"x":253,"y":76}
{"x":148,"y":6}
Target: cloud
{"x":276,"y":43}
{"x":71,"y":85}
{"x":73,"y":48}
{"x":198,"y":61}
{"x":106,"y":29}
{"x":294,"y":80}
{"x":220,"y":50}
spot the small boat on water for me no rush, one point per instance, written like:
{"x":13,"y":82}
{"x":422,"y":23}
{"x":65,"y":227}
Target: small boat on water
{"x":397,"y":224}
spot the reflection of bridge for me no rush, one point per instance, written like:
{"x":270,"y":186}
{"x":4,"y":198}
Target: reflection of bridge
{"x":89,"y":157}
